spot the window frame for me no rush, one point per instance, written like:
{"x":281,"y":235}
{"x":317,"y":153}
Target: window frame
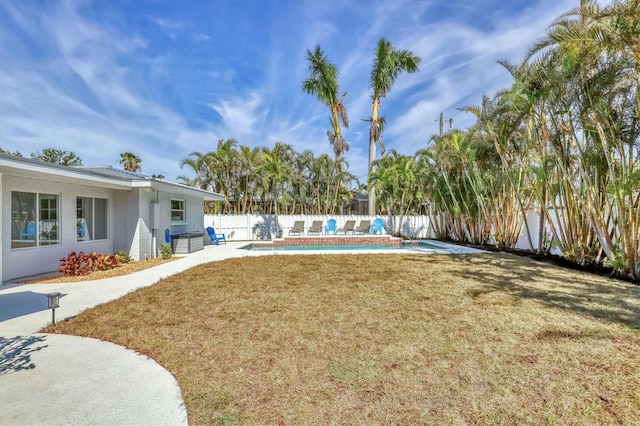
{"x":40,"y":209}
{"x":84,"y":210}
{"x":183,"y":210}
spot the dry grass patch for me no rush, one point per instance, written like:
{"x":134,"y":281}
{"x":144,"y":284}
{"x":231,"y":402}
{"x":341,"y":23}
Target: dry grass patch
{"x":387,"y":339}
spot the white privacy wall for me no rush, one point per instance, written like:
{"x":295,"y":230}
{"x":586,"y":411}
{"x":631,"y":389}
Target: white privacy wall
{"x":244,"y":227}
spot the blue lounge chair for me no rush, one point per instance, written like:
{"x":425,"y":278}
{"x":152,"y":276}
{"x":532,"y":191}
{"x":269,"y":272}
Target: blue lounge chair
{"x":378,"y":226}
{"x":215,"y":238}
{"x":331,"y":226}
{"x":30,"y":232}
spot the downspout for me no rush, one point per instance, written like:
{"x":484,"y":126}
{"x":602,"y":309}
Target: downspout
{"x":154,"y":232}
{"x":154,"y":228}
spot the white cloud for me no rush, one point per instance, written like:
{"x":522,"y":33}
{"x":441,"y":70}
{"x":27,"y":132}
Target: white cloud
{"x":168,"y":24}
{"x":241,"y":116}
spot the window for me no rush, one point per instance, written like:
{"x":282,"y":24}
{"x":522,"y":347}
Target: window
{"x":34,"y":219}
{"x":177,"y":211}
{"x":91,"y":218}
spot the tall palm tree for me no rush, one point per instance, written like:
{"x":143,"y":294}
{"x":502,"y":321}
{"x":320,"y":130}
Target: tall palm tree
{"x":591,"y":28}
{"x":223,"y":163}
{"x":249,"y":160}
{"x":276,"y":175}
{"x":323,"y":83}
{"x":387,"y":65}
{"x":300,"y":185}
{"x":130,"y":162}
{"x":198,"y":164}
{"x":596,"y":51}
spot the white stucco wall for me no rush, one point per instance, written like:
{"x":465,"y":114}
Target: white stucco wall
{"x":36,"y":260}
{"x":132,"y":212}
{"x":122,"y":212}
{"x":131,"y":235}
{"x":129,"y":226}
{"x":194,"y":222}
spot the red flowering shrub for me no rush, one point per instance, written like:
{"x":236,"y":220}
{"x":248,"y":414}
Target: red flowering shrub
{"x":83,"y":264}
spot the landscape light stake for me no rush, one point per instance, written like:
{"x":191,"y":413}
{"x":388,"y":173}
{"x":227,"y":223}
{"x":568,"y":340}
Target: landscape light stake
{"x":54,"y":302}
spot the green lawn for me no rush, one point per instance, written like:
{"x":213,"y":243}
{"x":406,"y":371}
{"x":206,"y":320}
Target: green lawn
{"x":387,"y":339}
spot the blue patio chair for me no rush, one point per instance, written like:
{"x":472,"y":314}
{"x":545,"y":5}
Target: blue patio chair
{"x":331,"y":226}
{"x":378,"y":226}
{"x":30,"y":232}
{"x":215,"y":238}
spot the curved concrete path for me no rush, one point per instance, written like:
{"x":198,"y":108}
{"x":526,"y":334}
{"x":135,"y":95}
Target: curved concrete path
{"x":60,"y":379}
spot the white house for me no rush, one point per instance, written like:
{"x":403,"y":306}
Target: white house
{"x":49,"y":210}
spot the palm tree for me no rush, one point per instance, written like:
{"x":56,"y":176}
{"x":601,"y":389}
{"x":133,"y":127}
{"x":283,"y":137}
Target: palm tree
{"x":323,"y":83}
{"x":130,"y":162}
{"x":248,"y":164}
{"x":590,"y":28}
{"x":223,"y":163}
{"x":199,"y":166}
{"x":596,"y":51}
{"x":276,"y":174}
{"x":387,"y":65}
{"x":300,"y":185}
{"x":319,"y":180}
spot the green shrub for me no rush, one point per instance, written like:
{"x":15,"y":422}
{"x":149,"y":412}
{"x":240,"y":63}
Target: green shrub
{"x":165,"y":251}
{"x":122,"y":257}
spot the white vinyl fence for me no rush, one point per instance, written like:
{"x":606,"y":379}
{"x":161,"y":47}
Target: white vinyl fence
{"x":242,"y":227}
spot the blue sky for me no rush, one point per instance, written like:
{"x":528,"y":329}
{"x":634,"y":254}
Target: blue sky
{"x":166,"y":78}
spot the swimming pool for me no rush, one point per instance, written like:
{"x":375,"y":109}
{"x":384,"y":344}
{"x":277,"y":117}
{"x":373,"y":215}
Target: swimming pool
{"x":416,"y":246}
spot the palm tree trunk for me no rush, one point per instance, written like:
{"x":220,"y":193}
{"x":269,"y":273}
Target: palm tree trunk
{"x":373,"y":132}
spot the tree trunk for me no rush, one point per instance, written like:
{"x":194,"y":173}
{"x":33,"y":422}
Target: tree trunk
{"x":372,"y":195}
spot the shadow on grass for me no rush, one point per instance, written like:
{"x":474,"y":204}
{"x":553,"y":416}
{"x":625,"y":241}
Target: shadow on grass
{"x":594,"y":296}
{"x":15,"y":353}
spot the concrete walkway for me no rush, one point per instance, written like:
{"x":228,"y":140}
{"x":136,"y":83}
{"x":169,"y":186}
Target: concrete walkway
{"x":59,"y":379}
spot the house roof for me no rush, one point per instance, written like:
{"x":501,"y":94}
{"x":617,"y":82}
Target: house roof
{"x":100,"y":176}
